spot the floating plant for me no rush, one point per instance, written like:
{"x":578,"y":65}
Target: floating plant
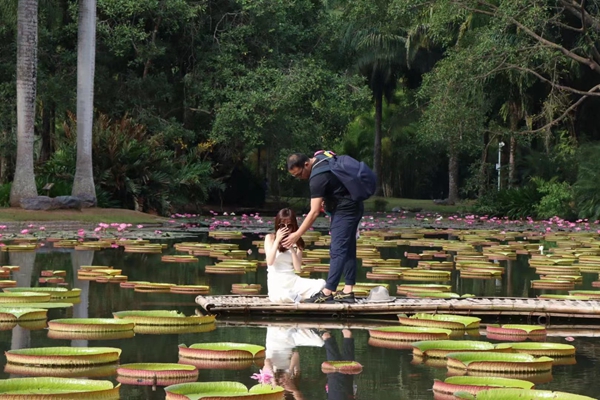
{"x":474,"y":384}
{"x":63,"y":356}
{"x":440,"y":348}
{"x":63,"y":371}
{"x":24,"y":297}
{"x":520,"y":394}
{"x":90,"y":325}
{"x":222,"y":351}
{"x":57,"y":388}
{"x":162,"y":317}
{"x":223,"y":391}
{"x":22,"y":314}
{"x":516,"y":330}
{"x":544,"y":349}
{"x":55,"y":292}
{"x":156,"y":374}
{"x":496,"y":361}
{"x":446,"y":321}
{"x":343,"y":367}
{"x":409,"y":333}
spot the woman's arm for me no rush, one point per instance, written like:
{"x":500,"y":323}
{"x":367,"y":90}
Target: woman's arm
{"x":271,"y":246}
{"x":296,"y":258}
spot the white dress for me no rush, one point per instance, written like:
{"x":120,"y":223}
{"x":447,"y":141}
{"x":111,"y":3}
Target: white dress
{"x":282,"y":341}
{"x":285,"y":286}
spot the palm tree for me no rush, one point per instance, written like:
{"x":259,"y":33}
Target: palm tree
{"x":380,"y":57}
{"x":83,"y":184}
{"x":27,"y":39}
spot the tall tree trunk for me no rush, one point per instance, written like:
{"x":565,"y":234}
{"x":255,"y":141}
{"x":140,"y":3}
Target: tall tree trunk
{"x":3,"y":159}
{"x":453,"y":176}
{"x":483,"y":167}
{"x":27,"y":37}
{"x":378,"y":94}
{"x":83,"y":184}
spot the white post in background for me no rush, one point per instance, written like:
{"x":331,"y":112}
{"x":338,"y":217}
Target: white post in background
{"x":499,"y":164}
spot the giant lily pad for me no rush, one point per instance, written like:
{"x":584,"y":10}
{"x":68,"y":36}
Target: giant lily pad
{"x":520,"y":394}
{"x":101,"y":335}
{"x":516,"y":330}
{"x":62,"y":356}
{"x":343,"y":367}
{"x":46,"y":306}
{"x":495,"y":361}
{"x":445,"y":321}
{"x":69,"y":371}
{"x":90,"y":325}
{"x":222,"y":351}
{"x":544,"y":349}
{"x":24,"y":297}
{"x":222,"y":391}
{"x":55,"y":292}
{"x":162,"y":317}
{"x":22,"y":314}
{"x":474,"y":384}
{"x":57,"y":388}
{"x":440,"y":348}
{"x":409,"y":333}
{"x":156,"y":374}
{"x":173,"y":329}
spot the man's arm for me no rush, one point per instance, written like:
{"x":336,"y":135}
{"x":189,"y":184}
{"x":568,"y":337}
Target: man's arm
{"x":315,"y":210}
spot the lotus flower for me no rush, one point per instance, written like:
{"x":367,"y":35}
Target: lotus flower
{"x":263,"y":376}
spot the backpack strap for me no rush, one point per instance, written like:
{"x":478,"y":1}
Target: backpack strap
{"x":322,"y":163}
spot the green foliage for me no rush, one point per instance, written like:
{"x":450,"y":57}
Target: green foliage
{"x":5,"y":195}
{"x":513,"y":203}
{"x":587,"y":186}
{"x":557,"y":199}
{"x":380,"y":205}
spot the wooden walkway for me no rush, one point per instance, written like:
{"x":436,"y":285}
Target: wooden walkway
{"x":538,"y":310}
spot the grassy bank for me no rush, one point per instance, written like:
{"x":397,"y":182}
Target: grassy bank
{"x":88,"y":215}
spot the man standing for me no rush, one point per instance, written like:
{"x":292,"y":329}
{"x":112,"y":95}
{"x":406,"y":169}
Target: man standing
{"x":345,"y":217}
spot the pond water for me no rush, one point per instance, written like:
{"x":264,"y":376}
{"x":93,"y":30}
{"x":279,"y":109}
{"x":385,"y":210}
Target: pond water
{"x":387,"y":373}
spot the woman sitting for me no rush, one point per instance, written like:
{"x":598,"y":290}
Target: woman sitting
{"x":282,"y":282}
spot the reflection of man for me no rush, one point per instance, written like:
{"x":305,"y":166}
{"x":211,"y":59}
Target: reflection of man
{"x":340,"y":386}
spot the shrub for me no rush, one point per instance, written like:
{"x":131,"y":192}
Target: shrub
{"x":557,"y":199}
{"x":5,"y":195}
{"x":587,"y":187}
{"x":380,"y":205}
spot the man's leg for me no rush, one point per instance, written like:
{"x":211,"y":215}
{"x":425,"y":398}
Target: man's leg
{"x":342,"y":237}
{"x":350,"y":264}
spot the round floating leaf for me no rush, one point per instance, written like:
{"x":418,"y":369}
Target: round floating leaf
{"x":222,"y":391}
{"x":544,"y":349}
{"x":59,"y":388}
{"x":160,"y":374}
{"x":90,"y":325}
{"x":24,"y":297}
{"x":494,"y":361}
{"x":440,"y":348}
{"x":22,"y":314}
{"x":409,"y":333}
{"x":515,"y":329}
{"x":563,"y":297}
{"x":520,"y":394}
{"x":344,"y":367}
{"x":46,"y":306}
{"x":173,"y":329}
{"x":62,"y":356}
{"x":69,"y":371}
{"x":162,"y":317}
{"x":55,"y":292}
{"x":474,"y":384}
{"x":222,"y":351}
{"x":446,"y":321}
{"x":109,"y":335}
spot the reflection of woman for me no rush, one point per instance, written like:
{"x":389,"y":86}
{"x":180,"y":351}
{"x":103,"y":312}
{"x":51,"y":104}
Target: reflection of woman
{"x":282,"y":360}
{"x":282,"y":282}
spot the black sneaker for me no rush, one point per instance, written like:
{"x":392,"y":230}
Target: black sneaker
{"x":341,"y":297}
{"x":319,"y":298}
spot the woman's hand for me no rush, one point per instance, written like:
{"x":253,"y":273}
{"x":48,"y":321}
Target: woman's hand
{"x":281,"y":233}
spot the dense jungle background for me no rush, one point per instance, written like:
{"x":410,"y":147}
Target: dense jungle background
{"x":200,"y":102}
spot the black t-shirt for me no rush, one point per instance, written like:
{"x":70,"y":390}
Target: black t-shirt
{"x":335,"y":194}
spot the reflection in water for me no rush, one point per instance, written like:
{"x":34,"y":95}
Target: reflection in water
{"x":387,"y":373}
{"x":340,"y":386}
{"x":81,"y":310}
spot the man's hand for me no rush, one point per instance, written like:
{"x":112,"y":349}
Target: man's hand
{"x":290,"y":240}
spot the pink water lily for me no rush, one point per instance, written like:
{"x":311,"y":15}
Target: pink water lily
{"x":263,"y":376}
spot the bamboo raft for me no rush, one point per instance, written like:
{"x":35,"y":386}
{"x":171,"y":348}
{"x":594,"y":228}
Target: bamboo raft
{"x":540,"y":310}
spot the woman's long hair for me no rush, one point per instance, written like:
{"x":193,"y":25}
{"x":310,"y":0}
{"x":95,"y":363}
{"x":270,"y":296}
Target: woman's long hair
{"x":287,"y":216}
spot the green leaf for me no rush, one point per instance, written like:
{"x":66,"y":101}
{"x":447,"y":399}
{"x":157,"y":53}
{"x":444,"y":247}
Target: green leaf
{"x":200,"y":390}
{"x":521,"y":394}
{"x":38,"y":388}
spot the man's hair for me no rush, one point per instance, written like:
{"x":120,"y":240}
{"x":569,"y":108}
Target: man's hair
{"x":297,"y":160}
